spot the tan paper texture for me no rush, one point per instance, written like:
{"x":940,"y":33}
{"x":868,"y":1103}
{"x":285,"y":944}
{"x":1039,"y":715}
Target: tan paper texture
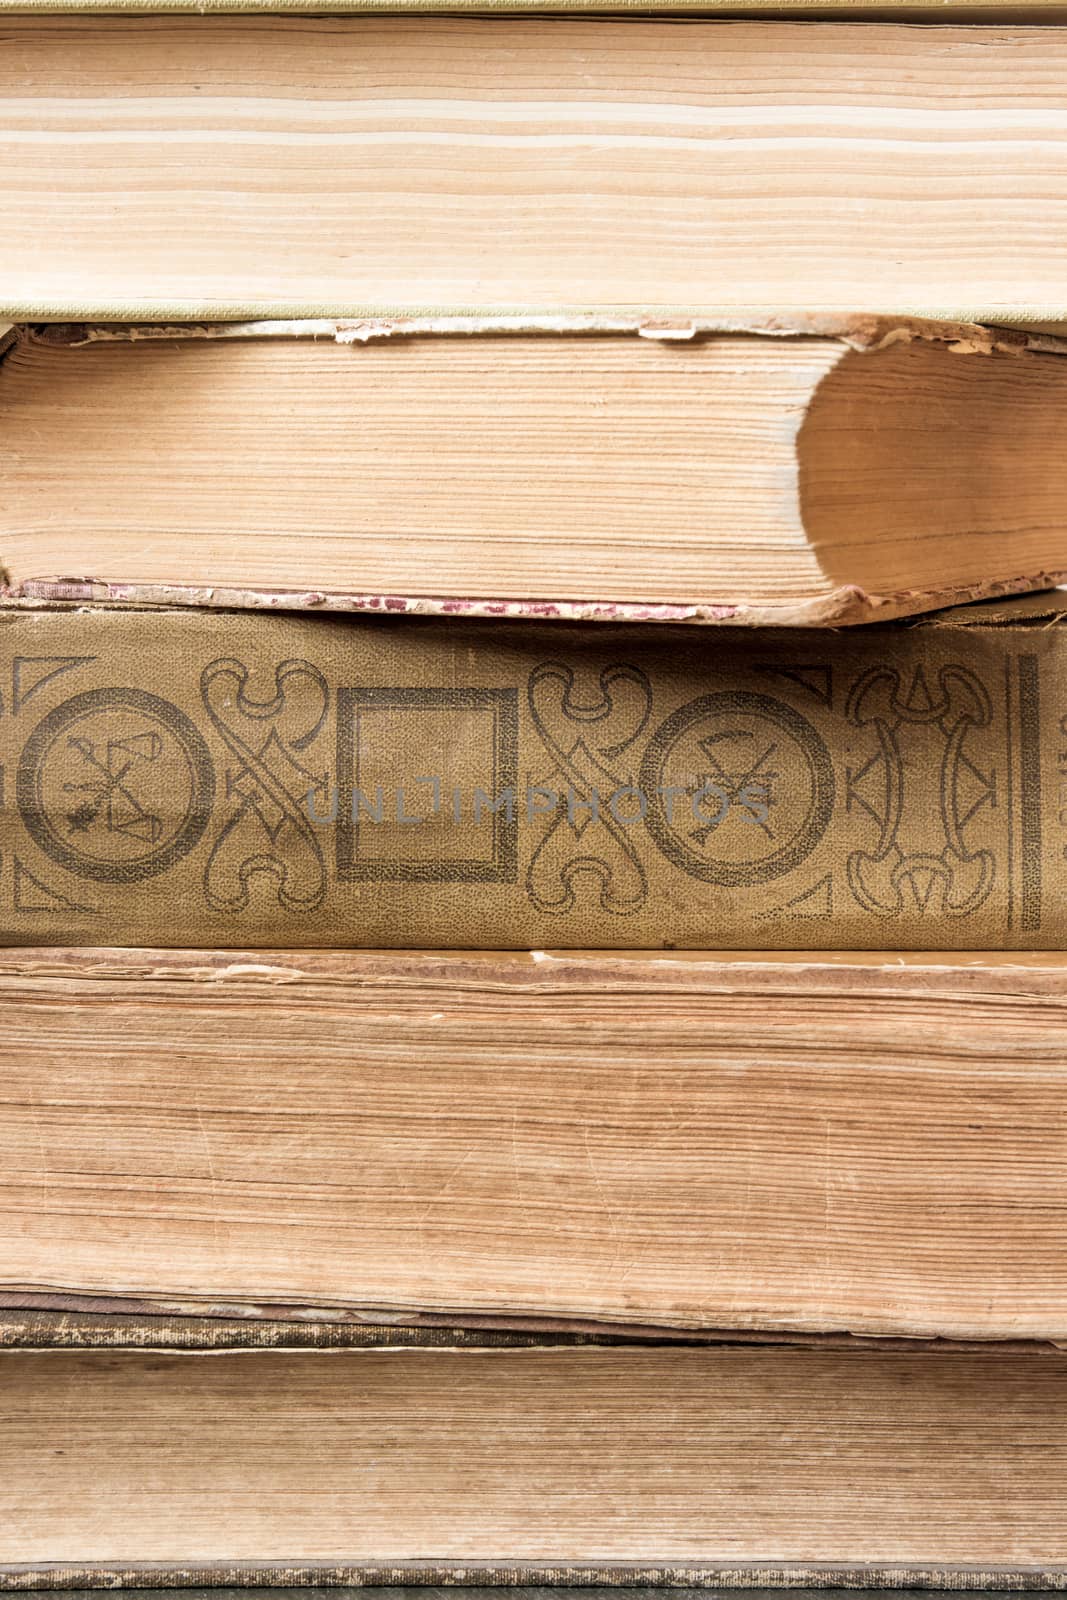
{"x":185,"y":167}
{"x":342,"y":1466}
{"x":208,"y":778}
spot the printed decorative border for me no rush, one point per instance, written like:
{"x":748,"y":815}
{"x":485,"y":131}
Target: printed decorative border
{"x":503,"y":706}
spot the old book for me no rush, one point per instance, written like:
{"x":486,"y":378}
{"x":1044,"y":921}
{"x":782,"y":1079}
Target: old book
{"x":832,"y":471}
{"x":192,"y":166}
{"x":198,"y":777}
{"x":844,"y":1144}
{"x":725,"y":1466}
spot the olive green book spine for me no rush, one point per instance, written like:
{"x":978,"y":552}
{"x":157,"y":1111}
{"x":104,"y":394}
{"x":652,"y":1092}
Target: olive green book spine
{"x":207,"y":778}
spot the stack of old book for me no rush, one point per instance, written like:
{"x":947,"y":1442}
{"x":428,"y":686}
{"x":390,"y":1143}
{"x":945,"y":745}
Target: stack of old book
{"x":534,"y":740}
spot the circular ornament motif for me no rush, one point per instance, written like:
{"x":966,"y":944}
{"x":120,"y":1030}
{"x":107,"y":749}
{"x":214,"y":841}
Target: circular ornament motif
{"x":740,"y":788}
{"x":115,"y":785}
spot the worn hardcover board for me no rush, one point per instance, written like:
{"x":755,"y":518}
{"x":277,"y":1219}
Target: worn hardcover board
{"x":547,"y":1586}
{"x":144,"y":1326}
{"x":524,"y":1580}
{"x":204,"y":778}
